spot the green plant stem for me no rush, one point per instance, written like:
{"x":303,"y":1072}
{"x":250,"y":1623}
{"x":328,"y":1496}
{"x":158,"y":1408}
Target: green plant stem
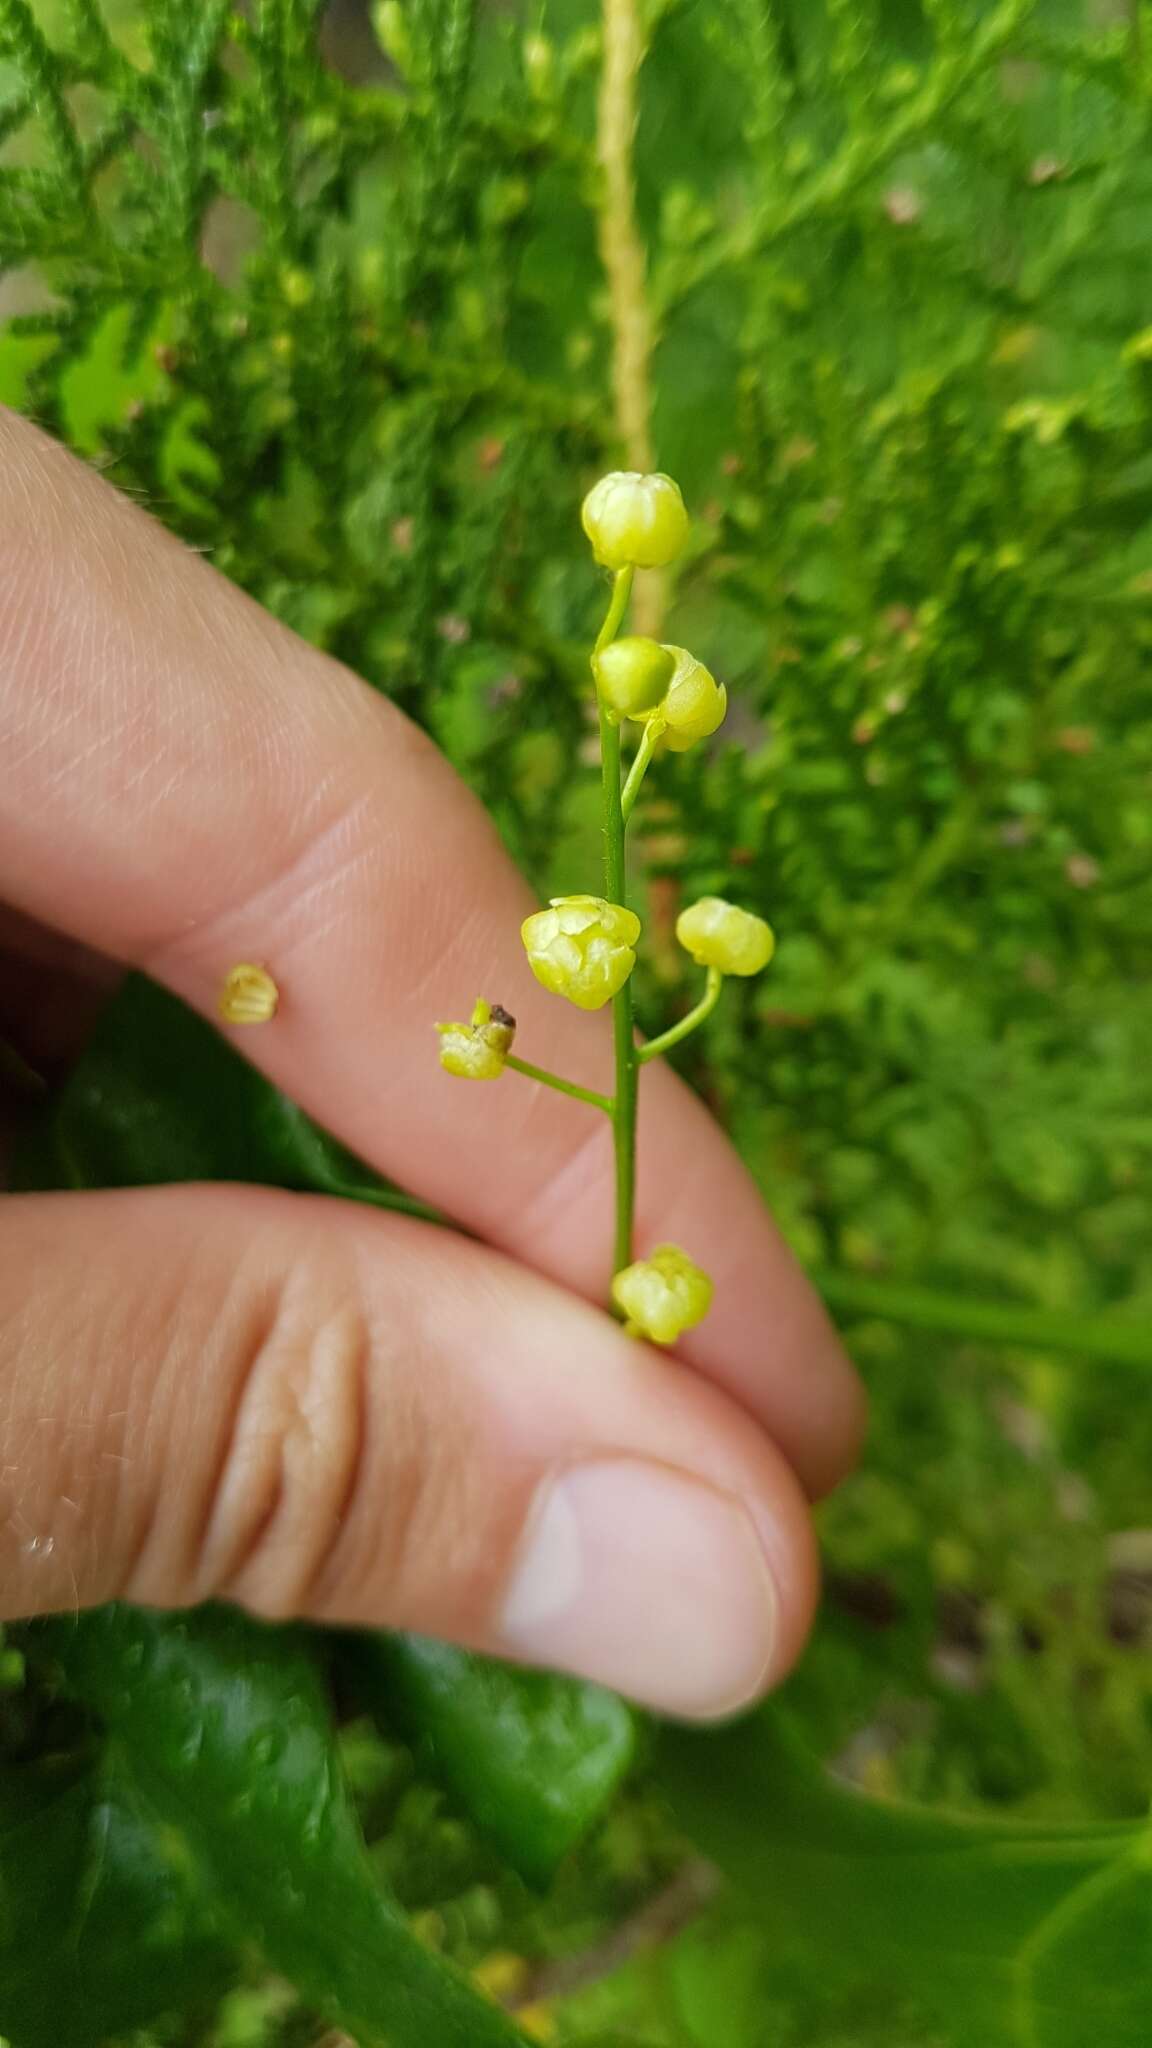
{"x":640,"y":766}
{"x":993,"y":1322}
{"x":704,"y":1008}
{"x":572,"y":1088}
{"x":614,"y":616}
{"x":623,"y":1026}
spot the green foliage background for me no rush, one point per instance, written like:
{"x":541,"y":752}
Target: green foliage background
{"x":328,"y":298}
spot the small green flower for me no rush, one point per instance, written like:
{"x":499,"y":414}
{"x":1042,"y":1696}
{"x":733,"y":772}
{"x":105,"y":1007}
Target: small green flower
{"x":662,"y":1295}
{"x":635,"y":521}
{"x":719,"y":934}
{"x":695,"y":703}
{"x":582,"y":948}
{"x":477,"y":1051}
{"x":633,"y":674}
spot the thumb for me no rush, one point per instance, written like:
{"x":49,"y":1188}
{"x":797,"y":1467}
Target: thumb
{"x":312,"y":1409}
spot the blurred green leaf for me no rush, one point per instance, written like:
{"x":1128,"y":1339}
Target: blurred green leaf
{"x":994,"y":1926}
{"x":116,"y":370}
{"x":1001,"y":1323}
{"x":81,"y":1862}
{"x":223,"y":1727}
{"x":534,"y":1758}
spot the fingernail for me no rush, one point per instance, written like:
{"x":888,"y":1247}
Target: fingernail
{"x":645,"y":1580}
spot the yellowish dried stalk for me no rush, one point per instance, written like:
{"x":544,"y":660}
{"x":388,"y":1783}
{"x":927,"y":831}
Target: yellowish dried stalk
{"x":624,"y":258}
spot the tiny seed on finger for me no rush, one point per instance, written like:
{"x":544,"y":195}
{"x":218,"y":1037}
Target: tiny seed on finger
{"x":249,"y":995}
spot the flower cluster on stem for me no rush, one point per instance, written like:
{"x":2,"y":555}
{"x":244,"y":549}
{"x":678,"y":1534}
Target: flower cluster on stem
{"x":582,"y":948}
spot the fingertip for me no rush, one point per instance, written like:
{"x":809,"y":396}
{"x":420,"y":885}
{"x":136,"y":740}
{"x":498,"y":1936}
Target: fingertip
{"x":768,"y":1339}
{"x":644,"y":1578}
{"x":663,"y":1546}
{"x":834,"y":1397}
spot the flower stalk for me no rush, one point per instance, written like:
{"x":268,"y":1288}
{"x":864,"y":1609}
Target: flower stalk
{"x":562,"y":1087}
{"x":641,"y":763}
{"x":695,"y":1016}
{"x":625,"y":1099}
{"x":582,"y":947}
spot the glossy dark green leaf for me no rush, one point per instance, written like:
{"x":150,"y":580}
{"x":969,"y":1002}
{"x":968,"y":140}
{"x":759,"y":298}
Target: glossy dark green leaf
{"x":81,"y":1863}
{"x":534,"y":1758}
{"x":158,"y":1096}
{"x":223,"y":1726}
{"x":995,"y":1927}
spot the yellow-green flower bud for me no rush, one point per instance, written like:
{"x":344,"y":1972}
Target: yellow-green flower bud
{"x":635,"y":521}
{"x":695,"y":704}
{"x":633,"y":674}
{"x":662,"y":1295}
{"x":582,"y":947}
{"x":477,"y":1051}
{"x":719,"y":934}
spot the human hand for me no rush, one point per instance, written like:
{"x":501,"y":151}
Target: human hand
{"x":306,"y":1407}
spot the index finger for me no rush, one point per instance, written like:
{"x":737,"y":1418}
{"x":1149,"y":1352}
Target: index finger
{"x":186,"y":784}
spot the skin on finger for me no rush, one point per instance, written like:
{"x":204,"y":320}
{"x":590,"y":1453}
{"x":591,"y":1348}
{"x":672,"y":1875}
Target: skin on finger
{"x":314,"y":1409}
{"x":184,"y":784}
